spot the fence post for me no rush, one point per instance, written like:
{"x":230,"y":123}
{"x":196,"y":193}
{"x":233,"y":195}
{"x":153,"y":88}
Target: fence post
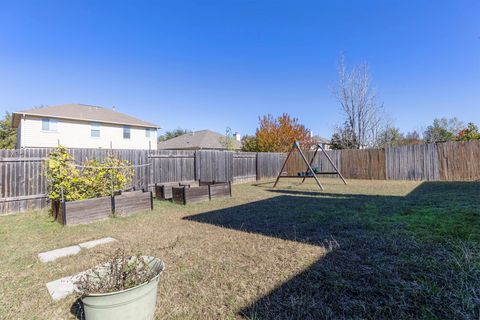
{"x":195,"y":165}
{"x":256,"y":166}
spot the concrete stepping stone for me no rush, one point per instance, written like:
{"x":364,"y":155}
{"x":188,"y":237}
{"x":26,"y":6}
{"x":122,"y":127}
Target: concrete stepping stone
{"x":72,"y":250}
{"x":94,"y":243}
{"x":58,"y":253}
{"x":61,"y":288}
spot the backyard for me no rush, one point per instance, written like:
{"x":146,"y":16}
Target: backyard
{"x":371,"y":249}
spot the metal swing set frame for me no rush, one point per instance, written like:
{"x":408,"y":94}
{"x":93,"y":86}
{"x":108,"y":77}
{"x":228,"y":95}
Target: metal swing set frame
{"x":318,"y":147}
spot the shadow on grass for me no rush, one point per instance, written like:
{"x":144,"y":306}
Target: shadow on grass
{"x":377,"y":267}
{"x":76,"y":309}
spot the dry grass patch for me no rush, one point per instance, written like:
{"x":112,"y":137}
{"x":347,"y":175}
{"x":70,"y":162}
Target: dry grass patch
{"x":352,"y":251}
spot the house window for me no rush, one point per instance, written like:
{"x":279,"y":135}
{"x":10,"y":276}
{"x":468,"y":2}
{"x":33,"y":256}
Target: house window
{"x":126,"y":132}
{"x":148,"y":133}
{"x":49,"y":125}
{"x":95,"y":130}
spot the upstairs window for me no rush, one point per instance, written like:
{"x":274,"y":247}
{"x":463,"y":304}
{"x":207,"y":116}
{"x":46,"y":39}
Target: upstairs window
{"x":148,"y":133}
{"x":49,"y":125}
{"x":126,"y":132}
{"x":95,"y":130}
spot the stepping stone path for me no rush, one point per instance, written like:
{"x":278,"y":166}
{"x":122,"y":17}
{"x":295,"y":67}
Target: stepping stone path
{"x":58,"y":253}
{"x":61,"y":288}
{"x":68,"y":251}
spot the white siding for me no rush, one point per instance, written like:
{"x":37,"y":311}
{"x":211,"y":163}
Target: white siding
{"x":76,"y":134}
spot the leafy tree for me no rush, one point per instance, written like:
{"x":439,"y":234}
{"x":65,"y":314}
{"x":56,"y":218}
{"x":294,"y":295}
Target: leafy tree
{"x":228,"y":140}
{"x":8,"y":135}
{"x":469,"y":133}
{"x":249,"y":144}
{"x":391,"y":136}
{"x":278,"y":134}
{"x":172,"y":134}
{"x":443,"y":130}
{"x":413,"y":137}
{"x":342,"y":138}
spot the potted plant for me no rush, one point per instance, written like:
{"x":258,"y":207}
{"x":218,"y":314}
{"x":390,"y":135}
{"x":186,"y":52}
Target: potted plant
{"x":125,"y":287}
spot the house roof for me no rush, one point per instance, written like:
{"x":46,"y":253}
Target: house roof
{"x":82,"y":112}
{"x":204,"y":139}
{"x":320,"y":139}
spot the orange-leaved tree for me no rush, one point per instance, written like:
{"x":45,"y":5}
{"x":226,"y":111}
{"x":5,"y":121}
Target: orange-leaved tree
{"x":278,"y":134}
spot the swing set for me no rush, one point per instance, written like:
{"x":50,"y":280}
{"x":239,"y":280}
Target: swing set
{"x":310,"y":173}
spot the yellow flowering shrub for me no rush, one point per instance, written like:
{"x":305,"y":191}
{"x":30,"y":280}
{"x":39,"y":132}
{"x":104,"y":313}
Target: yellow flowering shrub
{"x":92,"y":179}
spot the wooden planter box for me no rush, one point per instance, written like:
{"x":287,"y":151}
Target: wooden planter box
{"x":220,"y":189}
{"x":164,"y":191}
{"x":84,"y":211}
{"x":184,"y":195}
{"x":205,"y":191}
{"x":130,"y":202}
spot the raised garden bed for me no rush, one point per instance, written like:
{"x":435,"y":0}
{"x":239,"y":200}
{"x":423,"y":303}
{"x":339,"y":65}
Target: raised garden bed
{"x":184,"y":194}
{"x":163,"y":191}
{"x":83,"y":211}
{"x":220,"y":189}
{"x":89,"y":210}
{"x":205,"y":191}
{"x":134,"y":201}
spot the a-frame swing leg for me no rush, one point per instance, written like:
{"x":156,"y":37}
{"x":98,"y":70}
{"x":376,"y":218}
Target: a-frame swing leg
{"x":284,"y":164}
{"x":309,"y":167}
{"x":331,"y":162}
{"x":311,"y":162}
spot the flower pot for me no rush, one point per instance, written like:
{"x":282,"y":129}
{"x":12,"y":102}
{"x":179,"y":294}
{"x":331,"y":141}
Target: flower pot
{"x":134,"y":303}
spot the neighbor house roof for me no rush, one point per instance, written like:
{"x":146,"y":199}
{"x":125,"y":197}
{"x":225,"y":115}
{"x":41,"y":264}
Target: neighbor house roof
{"x":82,"y":112}
{"x":320,"y":139}
{"x":204,"y":139}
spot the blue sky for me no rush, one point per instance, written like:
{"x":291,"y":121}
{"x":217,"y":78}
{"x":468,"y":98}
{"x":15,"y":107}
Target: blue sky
{"x":213,"y":64}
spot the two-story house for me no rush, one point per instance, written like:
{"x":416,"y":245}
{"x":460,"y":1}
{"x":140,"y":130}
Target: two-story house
{"x":82,"y":126}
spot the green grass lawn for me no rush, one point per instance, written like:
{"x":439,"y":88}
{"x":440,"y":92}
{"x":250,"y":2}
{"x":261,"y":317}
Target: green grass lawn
{"x":371,"y":249}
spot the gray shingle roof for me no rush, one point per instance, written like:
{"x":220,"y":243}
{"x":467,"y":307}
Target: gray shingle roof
{"x":85,"y":113}
{"x":320,"y":139}
{"x":204,"y":139}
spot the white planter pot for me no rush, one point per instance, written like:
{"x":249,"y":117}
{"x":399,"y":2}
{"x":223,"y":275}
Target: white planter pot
{"x":134,"y":303}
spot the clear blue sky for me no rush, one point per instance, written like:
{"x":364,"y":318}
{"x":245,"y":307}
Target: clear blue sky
{"x":212,"y":64}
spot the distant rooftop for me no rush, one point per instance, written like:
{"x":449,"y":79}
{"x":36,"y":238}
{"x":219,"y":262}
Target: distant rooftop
{"x":83,"y":112}
{"x":320,"y":139}
{"x":204,"y":139}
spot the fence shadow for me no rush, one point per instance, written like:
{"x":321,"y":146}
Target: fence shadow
{"x":371,"y":270}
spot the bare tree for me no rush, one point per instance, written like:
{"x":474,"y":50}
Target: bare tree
{"x":228,"y":140}
{"x":364,"y":117}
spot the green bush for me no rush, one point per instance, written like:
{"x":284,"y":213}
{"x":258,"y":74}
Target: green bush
{"x":92,"y":179}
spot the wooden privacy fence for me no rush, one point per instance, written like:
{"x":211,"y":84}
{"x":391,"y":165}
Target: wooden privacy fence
{"x":413,"y":162}
{"x":23,"y":185}
{"x":459,"y":160}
